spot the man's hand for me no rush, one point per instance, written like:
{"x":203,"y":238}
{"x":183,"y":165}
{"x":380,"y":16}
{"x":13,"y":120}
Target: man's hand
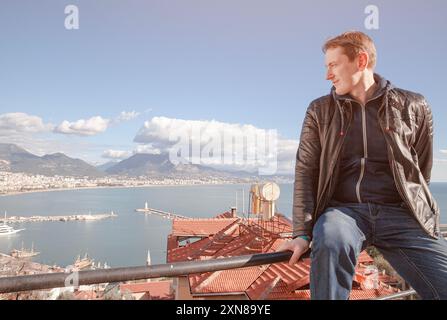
{"x":298,"y":246}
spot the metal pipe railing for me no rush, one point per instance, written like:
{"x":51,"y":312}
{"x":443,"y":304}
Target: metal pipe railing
{"x":77,"y":278}
{"x":402,"y":294}
{"x":88,"y":277}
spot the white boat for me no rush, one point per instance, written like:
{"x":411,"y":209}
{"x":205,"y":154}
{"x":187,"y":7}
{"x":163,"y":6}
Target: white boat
{"x":7,"y":230}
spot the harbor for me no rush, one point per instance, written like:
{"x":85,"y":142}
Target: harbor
{"x":74,"y":217}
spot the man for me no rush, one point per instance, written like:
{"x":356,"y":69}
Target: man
{"x":361,"y":178}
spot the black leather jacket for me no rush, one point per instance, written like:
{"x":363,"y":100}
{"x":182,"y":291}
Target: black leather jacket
{"x":405,"y":119}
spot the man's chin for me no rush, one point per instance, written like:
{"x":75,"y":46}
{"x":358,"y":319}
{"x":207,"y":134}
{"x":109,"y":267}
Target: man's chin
{"x":340,"y":91}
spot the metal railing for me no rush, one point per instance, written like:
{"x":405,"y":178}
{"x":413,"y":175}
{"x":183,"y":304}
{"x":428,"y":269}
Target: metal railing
{"x":399,"y":295}
{"x":87,"y":277}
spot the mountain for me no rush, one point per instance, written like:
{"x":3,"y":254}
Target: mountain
{"x":9,"y":153}
{"x":159,"y":165}
{"x":142,"y":164}
{"x":103,"y":167}
{"x":16,"y":159}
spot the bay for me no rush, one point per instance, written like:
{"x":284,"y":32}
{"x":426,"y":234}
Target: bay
{"x":125,"y":239}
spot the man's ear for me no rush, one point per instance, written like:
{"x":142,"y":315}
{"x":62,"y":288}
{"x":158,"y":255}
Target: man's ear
{"x":363,"y":60}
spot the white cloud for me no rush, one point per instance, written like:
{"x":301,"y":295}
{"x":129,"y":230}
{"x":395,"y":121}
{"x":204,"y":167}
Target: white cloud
{"x":211,"y":138}
{"x":157,"y":130}
{"x":287,"y":155}
{"x":126,"y":116}
{"x":19,"y":122}
{"x":116,"y":154}
{"x":148,"y":148}
{"x":93,"y":125}
{"x":34,"y":135}
{"x":83,"y":127}
{"x":443,"y":151}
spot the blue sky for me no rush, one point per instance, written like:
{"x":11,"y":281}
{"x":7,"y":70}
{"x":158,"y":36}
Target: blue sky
{"x":251,"y":62}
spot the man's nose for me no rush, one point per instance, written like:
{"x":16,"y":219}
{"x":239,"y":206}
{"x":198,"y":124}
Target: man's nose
{"x":329,"y":75}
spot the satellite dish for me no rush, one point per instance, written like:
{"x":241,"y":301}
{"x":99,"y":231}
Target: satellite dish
{"x":270,"y":191}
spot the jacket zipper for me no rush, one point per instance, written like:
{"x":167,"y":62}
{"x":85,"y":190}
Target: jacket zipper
{"x":365,"y":154}
{"x":365,"y":148}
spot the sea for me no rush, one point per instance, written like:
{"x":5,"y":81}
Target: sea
{"x":126,"y":239}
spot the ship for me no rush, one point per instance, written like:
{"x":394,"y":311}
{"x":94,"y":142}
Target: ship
{"x":6,"y":229}
{"x":83,"y":263}
{"x":24,"y":253}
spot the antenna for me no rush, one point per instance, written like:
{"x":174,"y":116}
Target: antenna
{"x":236,"y":200}
{"x":148,"y":259}
{"x":243,"y":200}
{"x":249,"y":205}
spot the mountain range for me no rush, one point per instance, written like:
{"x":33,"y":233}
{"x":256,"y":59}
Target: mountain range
{"x":16,"y":159}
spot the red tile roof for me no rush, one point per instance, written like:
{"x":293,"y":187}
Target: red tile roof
{"x":234,"y":280}
{"x":199,"y":227}
{"x":187,"y":252}
{"x":86,"y":295}
{"x":359,"y":294}
{"x":161,"y":290}
{"x":356,"y":294}
{"x":241,"y":237}
{"x":282,"y":292}
{"x":278,"y":224}
{"x":226,"y":214}
{"x":297,"y":295}
{"x":290,"y":277}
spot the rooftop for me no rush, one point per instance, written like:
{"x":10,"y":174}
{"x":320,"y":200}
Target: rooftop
{"x":155,"y":290}
{"x":226,"y":237}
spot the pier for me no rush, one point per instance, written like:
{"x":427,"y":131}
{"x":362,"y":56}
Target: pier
{"x":75,"y":217}
{"x":163,"y":214}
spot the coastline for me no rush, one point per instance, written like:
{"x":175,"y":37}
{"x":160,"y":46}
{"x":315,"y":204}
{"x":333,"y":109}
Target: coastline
{"x":16,"y":193}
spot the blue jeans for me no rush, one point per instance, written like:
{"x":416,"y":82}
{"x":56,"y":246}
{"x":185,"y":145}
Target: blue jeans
{"x":345,"y":229}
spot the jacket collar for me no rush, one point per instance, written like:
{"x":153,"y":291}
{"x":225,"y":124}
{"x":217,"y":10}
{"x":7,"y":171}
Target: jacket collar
{"x":382,"y":88}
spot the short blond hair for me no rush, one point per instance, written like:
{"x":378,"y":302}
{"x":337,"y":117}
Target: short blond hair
{"x":354,"y":42}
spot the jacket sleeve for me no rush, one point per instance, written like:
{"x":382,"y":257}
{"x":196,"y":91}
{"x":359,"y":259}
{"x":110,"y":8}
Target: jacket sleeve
{"x":306,"y":175}
{"x":423,"y":144}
